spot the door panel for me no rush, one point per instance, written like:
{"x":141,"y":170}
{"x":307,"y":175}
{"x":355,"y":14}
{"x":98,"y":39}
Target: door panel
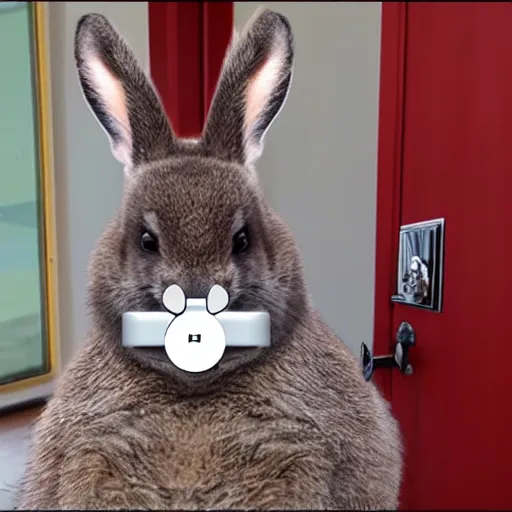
{"x":187,"y":43}
{"x":457,"y":164}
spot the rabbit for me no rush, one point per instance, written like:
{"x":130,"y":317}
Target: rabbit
{"x":291,"y":426}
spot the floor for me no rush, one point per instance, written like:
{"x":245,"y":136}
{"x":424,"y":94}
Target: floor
{"x":14,"y":438}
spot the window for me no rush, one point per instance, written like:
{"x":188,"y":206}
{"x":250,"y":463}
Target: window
{"x":27,"y":334}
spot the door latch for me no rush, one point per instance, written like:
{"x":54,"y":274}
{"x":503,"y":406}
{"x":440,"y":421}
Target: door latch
{"x":405,"y":339}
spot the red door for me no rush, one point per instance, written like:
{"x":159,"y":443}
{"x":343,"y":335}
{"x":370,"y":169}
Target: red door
{"x":187,"y":42}
{"x":445,"y":151}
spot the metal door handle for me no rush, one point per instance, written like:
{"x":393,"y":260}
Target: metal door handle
{"x":405,"y":339}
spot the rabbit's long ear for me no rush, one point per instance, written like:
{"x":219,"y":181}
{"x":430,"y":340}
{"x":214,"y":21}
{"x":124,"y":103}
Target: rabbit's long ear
{"x":252,"y":88}
{"x":120,"y":94}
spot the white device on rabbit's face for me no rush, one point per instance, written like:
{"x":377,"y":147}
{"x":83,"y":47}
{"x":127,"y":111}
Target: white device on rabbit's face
{"x":196,"y":332}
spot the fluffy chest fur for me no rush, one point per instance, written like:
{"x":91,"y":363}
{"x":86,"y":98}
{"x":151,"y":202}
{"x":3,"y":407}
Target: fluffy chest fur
{"x":193,"y":455}
{"x":284,"y":436}
{"x":155,"y":450}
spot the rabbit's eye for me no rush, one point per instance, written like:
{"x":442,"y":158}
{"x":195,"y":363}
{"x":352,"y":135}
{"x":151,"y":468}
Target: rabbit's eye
{"x":149,"y":242}
{"x":240,"y":241}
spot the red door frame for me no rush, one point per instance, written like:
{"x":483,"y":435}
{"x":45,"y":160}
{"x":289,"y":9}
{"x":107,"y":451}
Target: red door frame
{"x":187,"y":43}
{"x":392,"y":78}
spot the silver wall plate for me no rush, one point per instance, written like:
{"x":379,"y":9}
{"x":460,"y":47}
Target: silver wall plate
{"x":420,"y":265}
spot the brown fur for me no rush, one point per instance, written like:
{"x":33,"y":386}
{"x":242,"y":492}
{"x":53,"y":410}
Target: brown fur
{"x":290,"y":427}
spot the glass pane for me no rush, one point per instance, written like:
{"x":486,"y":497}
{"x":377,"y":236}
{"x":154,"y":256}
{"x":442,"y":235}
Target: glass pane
{"x":23,"y":346}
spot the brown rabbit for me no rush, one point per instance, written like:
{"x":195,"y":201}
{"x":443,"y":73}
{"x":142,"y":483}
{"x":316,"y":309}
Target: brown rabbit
{"x":293,"y":426}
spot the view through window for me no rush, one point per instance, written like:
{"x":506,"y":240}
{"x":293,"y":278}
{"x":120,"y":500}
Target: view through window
{"x":23,"y":344}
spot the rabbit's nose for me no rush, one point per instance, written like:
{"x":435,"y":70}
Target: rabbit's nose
{"x":197,"y":284}
{"x":197,"y":288}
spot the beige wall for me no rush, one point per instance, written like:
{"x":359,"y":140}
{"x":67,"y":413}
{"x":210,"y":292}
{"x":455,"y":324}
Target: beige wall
{"x":319,"y":163}
{"x":319,"y":166}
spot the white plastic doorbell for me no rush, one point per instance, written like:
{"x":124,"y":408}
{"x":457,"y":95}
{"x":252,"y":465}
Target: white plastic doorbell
{"x":196,"y":332}
{"x":195,"y":340}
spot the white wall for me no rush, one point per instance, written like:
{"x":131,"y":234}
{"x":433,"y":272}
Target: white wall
{"x":88,"y":179}
{"x":319,"y":163}
{"x":319,"y":167}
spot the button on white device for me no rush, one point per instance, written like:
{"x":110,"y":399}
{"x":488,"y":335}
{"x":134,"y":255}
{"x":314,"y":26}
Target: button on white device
{"x":195,"y":340}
